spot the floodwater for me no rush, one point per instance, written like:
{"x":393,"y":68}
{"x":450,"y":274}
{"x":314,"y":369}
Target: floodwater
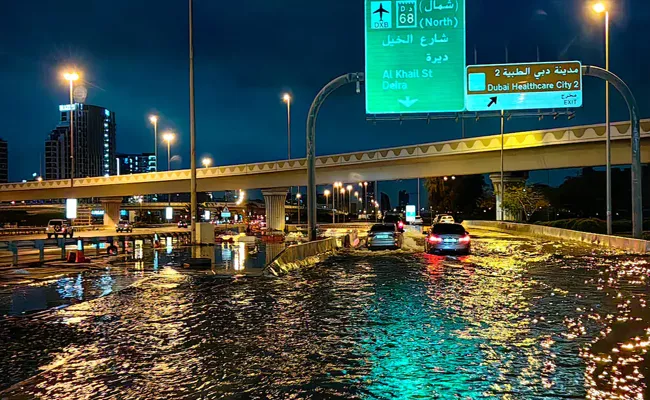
{"x":518,"y":319}
{"x":106,"y":278}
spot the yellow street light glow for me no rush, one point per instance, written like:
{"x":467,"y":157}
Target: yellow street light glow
{"x":153,"y":119}
{"x":342,"y":190}
{"x":298,"y":195}
{"x":169,"y":137}
{"x":349,"y":188}
{"x":599,"y":8}
{"x":356,"y":194}
{"x":206,"y":162}
{"x":286,"y":98}
{"x":327,"y":192}
{"x":71,"y":76}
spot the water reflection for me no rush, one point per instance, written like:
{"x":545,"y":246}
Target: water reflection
{"x":516,"y":320}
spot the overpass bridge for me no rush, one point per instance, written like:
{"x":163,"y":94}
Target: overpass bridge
{"x":572,"y":147}
{"x":580,"y":146}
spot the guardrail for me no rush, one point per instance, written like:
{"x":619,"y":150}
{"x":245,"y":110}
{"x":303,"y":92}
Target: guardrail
{"x":33,"y":251}
{"x":34,"y":230}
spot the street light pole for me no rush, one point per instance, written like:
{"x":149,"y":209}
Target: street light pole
{"x":298,"y":196}
{"x":71,"y":135}
{"x":602,"y":8}
{"x":71,"y":77}
{"x":169,"y":155}
{"x":193,"y":210}
{"x":287,"y":99}
{"x":154,"y":121}
{"x":608,"y":132}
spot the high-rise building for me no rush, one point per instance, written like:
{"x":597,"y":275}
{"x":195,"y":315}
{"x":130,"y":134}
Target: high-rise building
{"x":403,"y":199}
{"x":136,"y":163}
{"x":94,"y":143}
{"x":4,"y":162}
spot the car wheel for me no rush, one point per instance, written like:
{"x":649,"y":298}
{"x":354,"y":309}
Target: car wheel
{"x":56,"y":236}
{"x":71,"y":235}
{"x":49,"y":236}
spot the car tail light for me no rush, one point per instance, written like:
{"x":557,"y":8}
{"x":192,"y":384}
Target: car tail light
{"x":400,"y":225}
{"x":435,"y":239}
{"x":464,"y":239}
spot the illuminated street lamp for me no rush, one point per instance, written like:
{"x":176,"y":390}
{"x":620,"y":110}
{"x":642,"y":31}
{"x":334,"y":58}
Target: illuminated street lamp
{"x":327,"y":199}
{"x":335,"y":195}
{"x":349,"y":190}
{"x":287,"y":99}
{"x":600,"y":8}
{"x":154,"y":120}
{"x":207,"y":161}
{"x":356,"y":195}
{"x":71,"y":77}
{"x":298,"y":196}
{"x":169,"y":138}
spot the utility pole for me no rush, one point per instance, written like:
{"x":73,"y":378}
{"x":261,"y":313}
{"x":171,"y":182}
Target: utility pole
{"x":193,"y":204}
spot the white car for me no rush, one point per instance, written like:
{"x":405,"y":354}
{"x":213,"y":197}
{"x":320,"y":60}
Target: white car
{"x":418,"y":221}
{"x":57,"y":227}
{"x":443,"y":219}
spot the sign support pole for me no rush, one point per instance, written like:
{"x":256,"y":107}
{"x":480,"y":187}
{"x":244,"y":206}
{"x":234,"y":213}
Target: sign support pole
{"x":311,"y":144}
{"x":502,"y":185}
{"x":635,"y":125}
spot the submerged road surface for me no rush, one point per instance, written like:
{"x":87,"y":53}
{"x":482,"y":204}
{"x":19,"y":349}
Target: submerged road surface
{"x":519,"y":319}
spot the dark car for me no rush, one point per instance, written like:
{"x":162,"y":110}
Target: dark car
{"x":451,"y":238}
{"x":394,"y":218}
{"x":384,"y":236}
{"x":124,"y":226}
{"x":182,"y":224}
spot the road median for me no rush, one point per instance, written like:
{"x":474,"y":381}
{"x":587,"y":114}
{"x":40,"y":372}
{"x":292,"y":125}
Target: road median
{"x":300,"y":255}
{"x":615,"y":242}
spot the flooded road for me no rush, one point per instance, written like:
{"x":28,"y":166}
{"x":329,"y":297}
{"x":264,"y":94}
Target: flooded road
{"x":518,"y":319}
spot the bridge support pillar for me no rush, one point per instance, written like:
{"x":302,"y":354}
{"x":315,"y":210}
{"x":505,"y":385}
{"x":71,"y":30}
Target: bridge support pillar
{"x":111,"y":207}
{"x":275,"y":200}
{"x":508,"y":178}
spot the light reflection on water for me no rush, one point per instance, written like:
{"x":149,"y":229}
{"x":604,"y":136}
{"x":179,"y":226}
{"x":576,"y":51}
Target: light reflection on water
{"x":516,"y":320}
{"x":228,"y":259}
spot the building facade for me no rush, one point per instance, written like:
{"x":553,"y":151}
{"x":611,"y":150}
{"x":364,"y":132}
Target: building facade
{"x":94,"y":143}
{"x":4,"y":162}
{"x":135,"y":163}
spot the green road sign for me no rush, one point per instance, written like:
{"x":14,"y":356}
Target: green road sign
{"x":415,"y":56}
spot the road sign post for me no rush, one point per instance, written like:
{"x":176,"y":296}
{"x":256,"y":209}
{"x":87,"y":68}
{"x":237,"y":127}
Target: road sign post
{"x":524,"y":86}
{"x":415,"y":56}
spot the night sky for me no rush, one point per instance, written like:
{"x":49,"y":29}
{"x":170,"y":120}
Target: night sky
{"x":133,"y":55}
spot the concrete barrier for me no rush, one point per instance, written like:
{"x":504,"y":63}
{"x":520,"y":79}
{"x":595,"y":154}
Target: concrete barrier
{"x":299,"y":255}
{"x":614,"y":242}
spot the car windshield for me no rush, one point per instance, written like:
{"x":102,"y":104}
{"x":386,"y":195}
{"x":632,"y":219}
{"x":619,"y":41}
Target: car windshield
{"x":57,"y":222}
{"x":448,"y":229}
{"x":383,"y":228}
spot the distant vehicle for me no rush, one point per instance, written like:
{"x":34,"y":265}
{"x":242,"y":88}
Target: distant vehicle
{"x":124,"y":226}
{"x":182,"y":224}
{"x":59,"y":227}
{"x":443,"y":219}
{"x":418,"y":221}
{"x":445,"y":237}
{"x":384,"y":236}
{"x":394,"y":218}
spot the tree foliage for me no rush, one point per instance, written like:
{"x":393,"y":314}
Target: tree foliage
{"x":461,"y":195}
{"x":520,"y":199}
